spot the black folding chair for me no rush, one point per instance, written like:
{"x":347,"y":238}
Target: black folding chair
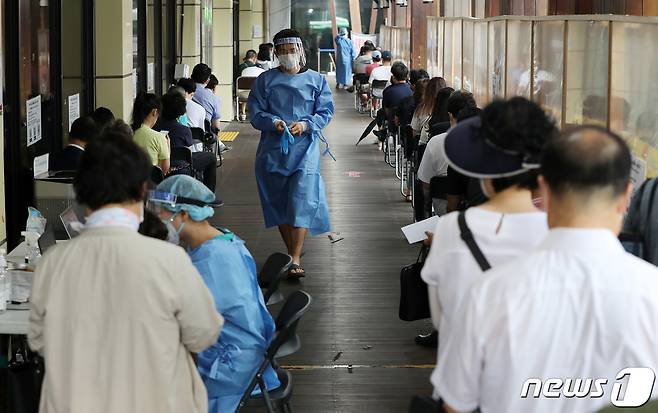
{"x":201,"y":136}
{"x":293,"y":310}
{"x":293,"y":343}
{"x":212,"y":145}
{"x":270,"y":276}
{"x":181,"y":162}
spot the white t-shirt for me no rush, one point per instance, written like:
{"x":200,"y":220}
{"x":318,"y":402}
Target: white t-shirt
{"x":380,"y":73}
{"x":577,"y":307}
{"x":450,"y":266}
{"x":361,"y":62}
{"x":196,"y":114}
{"x":434,"y":162}
{"x":253,"y":71}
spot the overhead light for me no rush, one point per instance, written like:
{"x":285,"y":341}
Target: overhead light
{"x":428,"y":1}
{"x":399,"y":2}
{"x":310,"y":11}
{"x":404,"y":4}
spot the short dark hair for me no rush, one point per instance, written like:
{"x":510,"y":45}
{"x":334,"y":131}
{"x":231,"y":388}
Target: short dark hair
{"x":468,"y":112}
{"x":103,"y":117}
{"x":458,"y":100}
{"x":399,"y":71}
{"x":520,"y":126}
{"x":113,"y":170}
{"x":416,"y":74}
{"x":83,"y":129}
{"x":264,"y":52}
{"x":173,"y":105}
{"x":143,"y":105}
{"x":212,"y":82}
{"x":250,"y":54}
{"x":201,"y":73}
{"x":153,"y":227}
{"x":187,"y":84}
{"x":587,"y":159}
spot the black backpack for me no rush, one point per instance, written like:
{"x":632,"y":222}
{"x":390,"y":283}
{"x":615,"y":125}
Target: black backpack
{"x":638,"y":235}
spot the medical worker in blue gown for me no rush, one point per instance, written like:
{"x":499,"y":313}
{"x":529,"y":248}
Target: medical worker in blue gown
{"x":290,"y":106}
{"x":229,"y":271}
{"x":345,"y":53}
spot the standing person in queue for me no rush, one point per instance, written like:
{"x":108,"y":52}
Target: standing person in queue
{"x":345,"y":54}
{"x":292,"y":100}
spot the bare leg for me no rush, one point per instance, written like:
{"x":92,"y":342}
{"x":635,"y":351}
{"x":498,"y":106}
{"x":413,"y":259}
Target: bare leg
{"x":243,"y":108}
{"x":285,"y":229}
{"x":297,"y":243}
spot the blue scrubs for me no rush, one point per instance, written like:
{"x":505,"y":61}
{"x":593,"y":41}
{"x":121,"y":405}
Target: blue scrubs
{"x":227,"y":367}
{"x":344,"y":55}
{"x":290,"y":186}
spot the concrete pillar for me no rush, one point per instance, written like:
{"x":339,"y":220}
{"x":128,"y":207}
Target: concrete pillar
{"x":114,"y":60}
{"x":191,"y":32}
{"x":246,"y":27}
{"x":222,"y":55}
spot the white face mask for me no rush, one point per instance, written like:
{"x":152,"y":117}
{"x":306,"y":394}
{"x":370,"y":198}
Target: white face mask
{"x":173,"y":234}
{"x":289,"y":61}
{"x":484,"y":189}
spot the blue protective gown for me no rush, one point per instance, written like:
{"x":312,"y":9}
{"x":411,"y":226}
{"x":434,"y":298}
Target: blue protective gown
{"x":344,"y":55}
{"x":227,"y":367}
{"x":290,"y":186}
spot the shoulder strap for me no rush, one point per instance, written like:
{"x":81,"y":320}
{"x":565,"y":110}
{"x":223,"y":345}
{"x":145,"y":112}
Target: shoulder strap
{"x":467,"y":236}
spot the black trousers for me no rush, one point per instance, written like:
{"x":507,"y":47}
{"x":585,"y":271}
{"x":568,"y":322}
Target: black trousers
{"x":206,"y":163}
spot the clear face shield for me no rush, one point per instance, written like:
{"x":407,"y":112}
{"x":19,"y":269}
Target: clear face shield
{"x":290,"y":53}
{"x":159,"y":201}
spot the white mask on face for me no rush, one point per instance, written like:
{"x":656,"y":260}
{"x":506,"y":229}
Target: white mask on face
{"x":289,"y":61}
{"x":484,"y":189}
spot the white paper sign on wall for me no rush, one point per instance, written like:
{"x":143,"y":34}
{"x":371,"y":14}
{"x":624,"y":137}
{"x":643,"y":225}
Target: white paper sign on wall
{"x":33,"y":110}
{"x":150,"y":77}
{"x":74,"y":108}
{"x":40,"y":164}
{"x":257,"y":31}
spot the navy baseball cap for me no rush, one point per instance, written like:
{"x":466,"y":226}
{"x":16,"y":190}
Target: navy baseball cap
{"x":470,"y":152}
{"x":386,"y":55}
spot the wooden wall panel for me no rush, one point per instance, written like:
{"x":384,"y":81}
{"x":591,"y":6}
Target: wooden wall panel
{"x":530,"y":8}
{"x":419,"y":12}
{"x":650,"y":8}
{"x":634,"y":7}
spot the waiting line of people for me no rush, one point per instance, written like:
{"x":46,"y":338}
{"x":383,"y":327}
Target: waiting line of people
{"x":527,"y":279}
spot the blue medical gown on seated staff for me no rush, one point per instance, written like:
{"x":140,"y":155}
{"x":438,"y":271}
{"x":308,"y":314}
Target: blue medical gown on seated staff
{"x":344,"y":55}
{"x":290,"y":186}
{"x":229,"y":271}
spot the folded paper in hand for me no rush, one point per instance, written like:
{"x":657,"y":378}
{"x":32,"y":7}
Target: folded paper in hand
{"x":416,"y":232}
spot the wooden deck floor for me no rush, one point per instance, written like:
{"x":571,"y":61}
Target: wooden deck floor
{"x":354,"y":283}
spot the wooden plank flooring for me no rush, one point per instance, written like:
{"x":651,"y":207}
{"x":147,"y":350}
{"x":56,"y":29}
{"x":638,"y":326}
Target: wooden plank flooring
{"x":354,"y":282}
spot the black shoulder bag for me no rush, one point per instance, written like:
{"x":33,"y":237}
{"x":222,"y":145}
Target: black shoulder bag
{"x":467,"y":236}
{"x":414,"y":301}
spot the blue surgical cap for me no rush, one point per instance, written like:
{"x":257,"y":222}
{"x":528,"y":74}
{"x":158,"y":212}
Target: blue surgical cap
{"x":188,"y":187}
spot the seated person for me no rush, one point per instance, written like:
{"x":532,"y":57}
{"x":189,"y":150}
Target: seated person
{"x":243,"y":95}
{"x":180,"y":136}
{"x":205,"y":96}
{"x":577,"y":307}
{"x":103,"y":117}
{"x":249,"y":60}
{"x":398,"y":91}
{"x":383,"y":72}
{"x":461,"y":106}
{"x":196,"y":114}
{"x":83,"y":130}
{"x":376,"y":62}
{"x":229,"y":271}
{"x":146,"y":111}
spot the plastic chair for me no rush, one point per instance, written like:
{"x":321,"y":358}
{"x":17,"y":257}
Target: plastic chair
{"x":270,"y":276}
{"x":181,"y":162}
{"x":293,"y":343}
{"x":293,"y":310}
{"x":157,"y":175}
{"x":242,"y":83}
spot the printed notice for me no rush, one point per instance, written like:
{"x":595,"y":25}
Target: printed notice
{"x":74,"y":108}
{"x":150,"y":77}
{"x":41,"y":164}
{"x":33,"y":107}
